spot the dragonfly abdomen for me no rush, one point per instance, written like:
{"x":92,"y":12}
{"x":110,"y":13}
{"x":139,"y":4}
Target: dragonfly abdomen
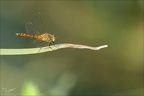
{"x":29,"y":35}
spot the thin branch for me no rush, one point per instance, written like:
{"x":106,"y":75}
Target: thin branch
{"x":27,"y":51}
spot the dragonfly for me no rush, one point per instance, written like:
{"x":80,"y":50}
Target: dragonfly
{"x":41,"y":40}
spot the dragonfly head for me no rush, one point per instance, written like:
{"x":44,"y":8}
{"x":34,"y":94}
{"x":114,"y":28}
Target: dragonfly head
{"x":52,"y":37}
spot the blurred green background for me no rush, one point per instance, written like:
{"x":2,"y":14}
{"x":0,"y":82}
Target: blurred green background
{"x":116,"y":70}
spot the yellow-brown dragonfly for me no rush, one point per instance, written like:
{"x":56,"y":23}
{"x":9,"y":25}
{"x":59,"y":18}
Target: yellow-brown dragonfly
{"x":41,"y":40}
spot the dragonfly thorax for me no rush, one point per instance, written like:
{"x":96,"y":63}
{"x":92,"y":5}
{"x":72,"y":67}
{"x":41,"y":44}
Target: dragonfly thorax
{"x":48,"y":37}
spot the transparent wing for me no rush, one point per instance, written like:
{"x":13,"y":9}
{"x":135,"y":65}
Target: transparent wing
{"x":39,"y":23}
{"x":30,"y":28}
{"x":40,"y":43}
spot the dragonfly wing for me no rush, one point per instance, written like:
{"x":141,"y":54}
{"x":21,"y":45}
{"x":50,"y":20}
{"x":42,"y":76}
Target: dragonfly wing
{"x":39,"y":23}
{"x":40,"y":43}
{"x":30,"y":28}
{"x":37,"y":42}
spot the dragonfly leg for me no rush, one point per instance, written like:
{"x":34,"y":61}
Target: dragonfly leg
{"x":41,"y":44}
{"x":50,"y":45}
{"x":54,"y":43}
{"x":39,"y":49}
